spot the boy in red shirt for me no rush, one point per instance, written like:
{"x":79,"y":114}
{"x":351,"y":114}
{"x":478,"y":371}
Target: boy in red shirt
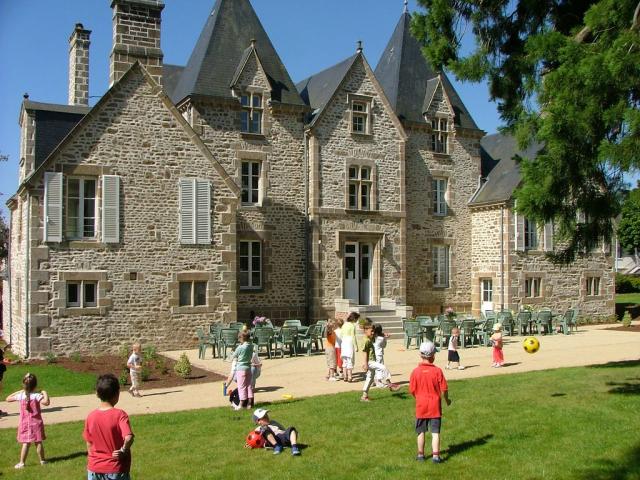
{"x":108,"y":435}
{"x":427,"y":384}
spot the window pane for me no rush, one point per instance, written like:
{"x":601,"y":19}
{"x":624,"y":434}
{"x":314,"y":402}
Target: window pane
{"x":443,"y":125}
{"x":245,"y":168}
{"x":353,"y":172}
{"x":89,"y":295}
{"x":244,"y":100}
{"x":185,"y":294}
{"x":73,"y":188}
{"x":255,"y":264}
{"x":244,"y":121}
{"x":596,"y":286}
{"x":353,"y":195}
{"x":244,"y":264}
{"x":257,"y":100}
{"x":256,"y":247}
{"x":244,"y":279}
{"x":358,"y":107}
{"x":244,"y":248}
{"x":358,"y":123}
{"x":255,"y":279}
{"x":350,"y":248}
{"x":365,"y":173}
{"x":255,"y":122}
{"x":254,"y":195}
{"x":364,"y":196}
{"x":89,"y":189}
{"x":255,"y":169}
{"x":73,"y":212}
{"x":200,"y":294}
{"x":73,"y":294}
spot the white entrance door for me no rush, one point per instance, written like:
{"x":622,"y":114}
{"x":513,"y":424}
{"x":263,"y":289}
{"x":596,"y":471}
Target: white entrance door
{"x":351,"y":273}
{"x":486,"y":292}
{"x":357,"y":272}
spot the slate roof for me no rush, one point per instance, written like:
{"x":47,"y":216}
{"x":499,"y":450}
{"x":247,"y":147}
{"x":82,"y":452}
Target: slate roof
{"x":407,"y":78}
{"x":317,"y":90}
{"x":170,"y":77}
{"x":223,"y":41}
{"x":53,"y":123}
{"x":505,"y":177}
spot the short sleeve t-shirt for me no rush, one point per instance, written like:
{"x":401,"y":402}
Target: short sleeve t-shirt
{"x":134,"y":360}
{"x":369,"y":350}
{"x":106,"y":430}
{"x":426,"y":384}
{"x":243,"y":353}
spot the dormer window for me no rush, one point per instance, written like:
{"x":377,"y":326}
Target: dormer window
{"x":251,"y":114}
{"x":440,"y":135}
{"x":360,"y":114}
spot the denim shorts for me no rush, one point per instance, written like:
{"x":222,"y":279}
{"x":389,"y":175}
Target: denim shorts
{"x":108,"y":476}
{"x":422,"y":425}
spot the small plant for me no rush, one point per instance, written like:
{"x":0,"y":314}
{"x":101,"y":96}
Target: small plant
{"x":162,"y":366}
{"x":260,"y":321}
{"x":50,"y":358}
{"x":150,"y":354}
{"x":145,"y":373}
{"x":76,"y":357}
{"x":123,"y":352}
{"x":183,"y":366}
{"x":626,"y":319}
{"x":124,"y":376}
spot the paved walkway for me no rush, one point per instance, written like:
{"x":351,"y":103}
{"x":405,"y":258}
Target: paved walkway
{"x":304,"y":376}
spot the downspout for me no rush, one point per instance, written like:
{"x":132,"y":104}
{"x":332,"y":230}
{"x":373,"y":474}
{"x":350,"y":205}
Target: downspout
{"x":27,"y":290}
{"x":501,"y":257}
{"x":10,"y":283}
{"x":306,"y":227}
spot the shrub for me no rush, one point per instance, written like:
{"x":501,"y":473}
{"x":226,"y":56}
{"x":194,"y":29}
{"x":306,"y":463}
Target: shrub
{"x":76,"y":357}
{"x":145,"y":373}
{"x":183,"y":366}
{"x":626,"y":319}
{"x":162,"y":366}
{"x":627,"y":283}
{"x":150,"y":354}
{"x":123,"y":352}
{"x":50,"y":357}
{"x":124,"y":376}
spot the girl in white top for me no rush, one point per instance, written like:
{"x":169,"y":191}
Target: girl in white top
{"x":379,"y":345}
{"x":338,"y":332}
{"x":349,"y":345}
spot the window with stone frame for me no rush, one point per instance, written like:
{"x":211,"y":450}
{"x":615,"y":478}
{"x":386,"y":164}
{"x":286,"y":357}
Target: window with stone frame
{"x":440,"y":263}
{"x":533,"y":287}
{"x":81,"y":208}
{"x":440,"y":135}
{"x":360,"y":187}
{"x":251,"y":112}
{"x":192,"y":293}
{"x":251,"y":182}
{"x":439,"y":187}
{"x":593,"y":286}
{"x":82,"y":294}
{"x":530,"y":235}
{"x":360,"y":109}
{"x":250,"y":264}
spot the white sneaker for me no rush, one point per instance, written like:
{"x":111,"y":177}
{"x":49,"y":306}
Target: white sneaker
{"x":332,"y":379}
{"x":19,"y":466}
{"x":460,"y":367}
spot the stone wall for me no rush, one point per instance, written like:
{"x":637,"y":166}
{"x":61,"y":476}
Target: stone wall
{"x":425,"y":229}
{"x":137,"y":278}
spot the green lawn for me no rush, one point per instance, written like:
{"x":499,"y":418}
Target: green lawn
{"x":572,"y":423}
{"x":628,"y":298}
{"x":56,"y":380}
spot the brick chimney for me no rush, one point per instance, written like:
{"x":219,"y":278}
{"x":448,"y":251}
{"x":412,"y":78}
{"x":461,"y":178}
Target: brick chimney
{"x":79,"y":66}
{"x":136,"y":37}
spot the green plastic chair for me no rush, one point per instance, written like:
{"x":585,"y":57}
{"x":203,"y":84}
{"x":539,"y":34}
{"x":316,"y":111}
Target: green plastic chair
{"x":214,"y":338}
{"x":412,"y":331}
{"x":468,"y":332}
{"x":569,"y":321}
{"x":288,"y":337}
{"x":445,"y":331}
{"x":263,"y":337}
{"x":228,"y":339}
{"x":485,"y":331}
{"x":292,"y":323}
{"x":203,"y":341}
{"x":522,"y":322}
{"x":312,"y":337}
{"x":506,"y":319}
{"x":544,"y":322}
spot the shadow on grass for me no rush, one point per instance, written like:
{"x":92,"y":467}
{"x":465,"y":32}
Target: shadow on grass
{"x":625,"y":388}
{"x":58,"y":409}
{"x":71,"y":456}
{"x":558,"y":394}
{"x":457,"y":448}
{"x":622,"y":468}
{"x":623,"y":364}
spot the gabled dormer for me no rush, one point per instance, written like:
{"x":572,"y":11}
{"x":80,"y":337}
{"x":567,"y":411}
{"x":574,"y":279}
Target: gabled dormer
{"x":439,"y":112}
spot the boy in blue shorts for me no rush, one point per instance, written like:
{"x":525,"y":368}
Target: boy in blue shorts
{"x":274,"y":434}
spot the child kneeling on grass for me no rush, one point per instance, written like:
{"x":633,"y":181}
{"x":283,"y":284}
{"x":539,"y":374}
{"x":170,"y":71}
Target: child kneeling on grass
{"x":274,"y":434}
{"x":108,"y":434}
{"x":427,"y":384}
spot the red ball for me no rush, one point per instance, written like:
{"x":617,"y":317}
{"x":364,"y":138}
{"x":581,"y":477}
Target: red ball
{"x":255,"y":440}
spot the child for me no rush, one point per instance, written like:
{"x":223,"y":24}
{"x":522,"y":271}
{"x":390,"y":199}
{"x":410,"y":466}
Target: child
{"x":330,"y":351}
{"x":454,"y":357}
{"x":379,"y":345}
{"x":496,"y":342}
{"x":108,"y":434}
{"x":3,"y":368}
{"x":256,"y":369}
{"x":243,"y":354}
{"x":135,"y":366}
{"x":349,"y":345}
{"x":274,"y":434}
{"x":427,"y":384}
{"x":31,"y":426}
{"x":371,"y":366}
{"x":338,"y":331}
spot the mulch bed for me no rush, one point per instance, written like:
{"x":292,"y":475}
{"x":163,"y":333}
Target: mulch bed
{"x":115,"y":364}
{"x":632,"y":328}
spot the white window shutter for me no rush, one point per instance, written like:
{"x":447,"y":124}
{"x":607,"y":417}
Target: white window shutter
{"x":53,"y":206}
{"x":111,"y":208}
{"x":548,"y":237}
{"x":519,"y":230}
{"x":203,"y":211}
{"x":187,"y":211}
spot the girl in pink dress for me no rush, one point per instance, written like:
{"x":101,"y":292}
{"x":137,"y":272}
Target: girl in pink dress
{"x":496,"y":342}
{"x":31,"y":426}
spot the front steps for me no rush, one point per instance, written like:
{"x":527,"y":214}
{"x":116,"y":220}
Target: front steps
{"x":391,"y":323}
